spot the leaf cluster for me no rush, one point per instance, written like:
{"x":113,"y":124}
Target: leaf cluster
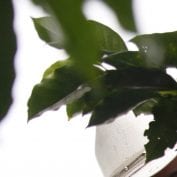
{"x":133,"y":80}
{"x":72,"y":21}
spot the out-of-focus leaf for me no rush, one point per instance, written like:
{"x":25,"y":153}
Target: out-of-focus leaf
{"x":163,"y":131}
{"x":52,"y":92}
{"x":79,"y":36}
{"x":49,"y":31}
{"x":135,"y":78}
{"x":117,"y":103}
{"x":124,"y":11}
{"x":160,"y":49}
{"x":108,"y":40}
{"x":145,"y":107}
{"x":125,"y":59}
{"x":7,"y":53}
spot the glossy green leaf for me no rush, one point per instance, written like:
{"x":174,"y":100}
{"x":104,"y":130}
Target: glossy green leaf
{"x":138,"y":84}
{"x":125,"y":59}
{"x":49,"y":31}
{"x":53,"y":91}
{"x":160,"y":49}
{"x":163,"y":131}
{"x":124,"y":11}
{"x":108,"y":40}
{"x":117,"y":103}
{"x":8,"y":49}
{"x":136,"y":78}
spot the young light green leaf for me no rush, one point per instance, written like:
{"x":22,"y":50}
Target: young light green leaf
{"x":49,"y":31}
{"x":159,"y":49}
{"x":108,"y":40}
{"x":124,"y":12}
{"x":59,"y":64}
{"x":8,"y":48}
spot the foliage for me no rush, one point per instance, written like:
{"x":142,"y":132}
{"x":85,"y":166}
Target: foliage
{"x":162,"y":132}
{"x":136,"y":81}
{"x":73,"y":27}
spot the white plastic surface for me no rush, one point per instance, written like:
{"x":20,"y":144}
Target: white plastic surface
{"x":119,"y":143}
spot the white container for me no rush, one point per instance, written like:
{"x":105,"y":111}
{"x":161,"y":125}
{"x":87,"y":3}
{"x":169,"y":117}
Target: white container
{"x":120,"y":145}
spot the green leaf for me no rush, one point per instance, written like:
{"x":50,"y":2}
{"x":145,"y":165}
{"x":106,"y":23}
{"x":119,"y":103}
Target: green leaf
{"x":86,"y":103}
{"x":132,"y":78}
{"x":74,"y":108}
{"x":124,"y":12}
{"x":163,"y":131}
{"x":128,"y":88}
{"x":159,"y":49}
{"x":125,"y":59}
{"x":59,"y":64}
{"x":53,"y":91}
{"x":108,"y":40}
{"x":118,"y":102}
{"x":49,"y":31}
{"x":8,"y":49}
{"x":136,"y":78}
{"x":145,"y":107}
{"x":80,"y":39}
